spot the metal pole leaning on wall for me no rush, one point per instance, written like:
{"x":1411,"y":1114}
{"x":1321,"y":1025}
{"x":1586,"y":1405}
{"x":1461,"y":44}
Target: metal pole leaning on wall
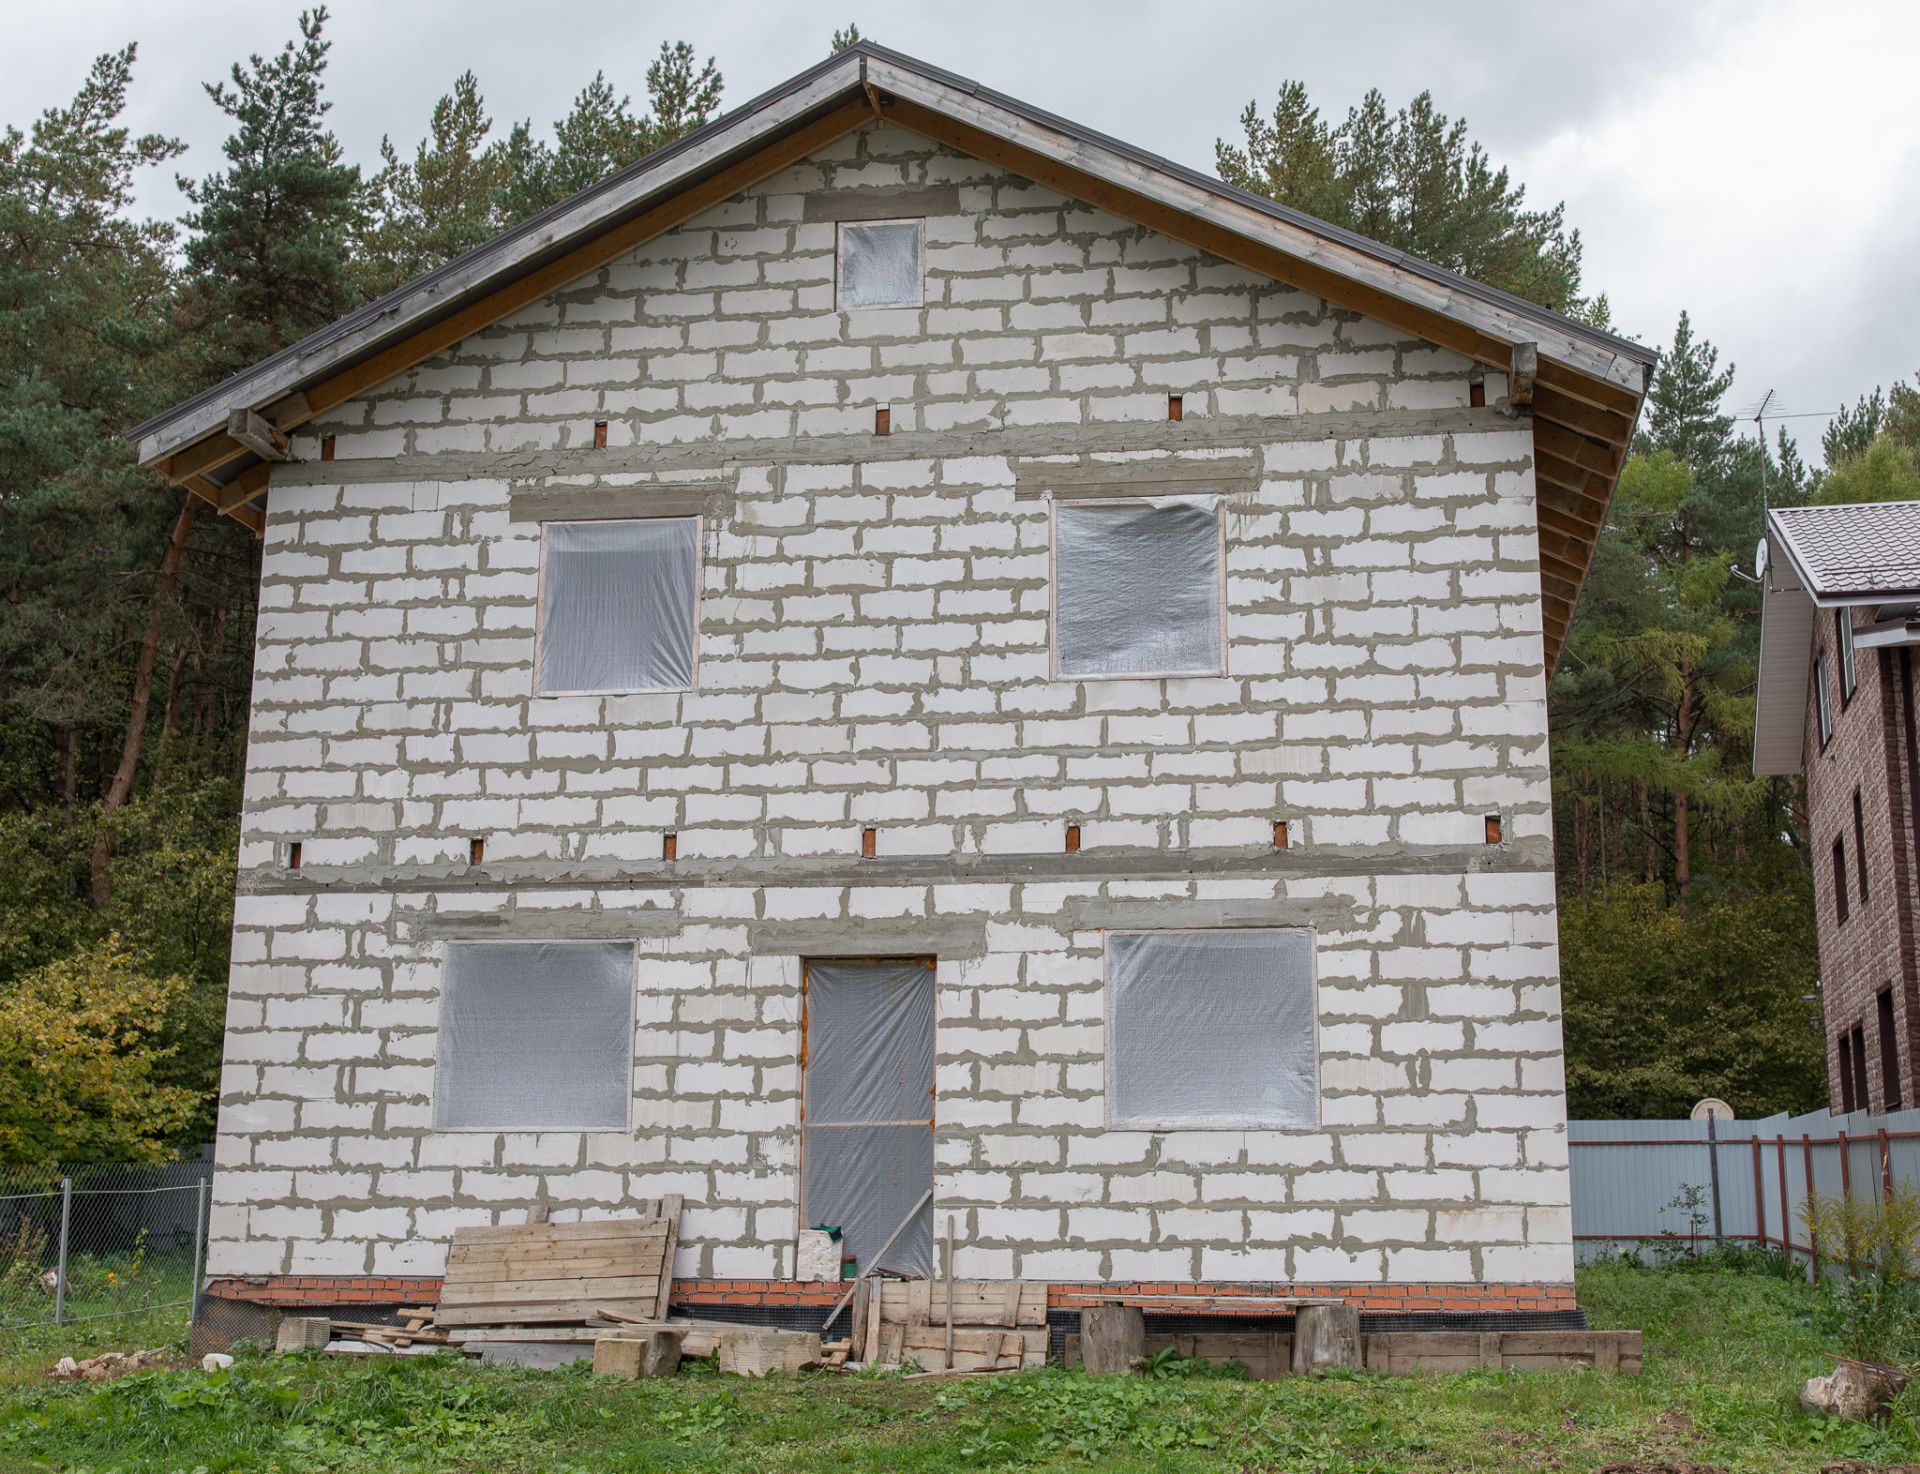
{"x":199,"y":1245}
{"x":60,"y":1268}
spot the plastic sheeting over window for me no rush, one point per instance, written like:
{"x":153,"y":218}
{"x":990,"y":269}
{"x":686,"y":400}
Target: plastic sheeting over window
{"x":535,"y":1036}
{"x":868,"y":1143}
{"x":617,"y":605}
{"x":1211,"y":1029}
{"x":1137,"y":588}
{"x":880,"y":264}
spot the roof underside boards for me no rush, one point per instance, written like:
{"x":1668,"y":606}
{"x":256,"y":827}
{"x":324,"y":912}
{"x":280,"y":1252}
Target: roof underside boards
{"x":1586,"y":395}
{"x":1819,"y":558}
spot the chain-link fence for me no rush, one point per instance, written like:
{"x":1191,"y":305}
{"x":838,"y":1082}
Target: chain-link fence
{"x":110,"y":1239}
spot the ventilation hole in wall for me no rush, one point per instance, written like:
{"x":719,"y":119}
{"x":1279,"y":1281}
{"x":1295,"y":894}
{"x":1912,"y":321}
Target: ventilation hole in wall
{"x":669,"y":846}
{"x":1280,"y":834}
{"x":1477,"y":394}
{"x":883,"y":421}
{"x":869,"y":843}
{"x":1176,"y":407}
{"x":1073,"y":839}
{"x":599,"y":434}
{"x":293,"y":855}
{"x":476,"y":851}
{"x":326,"y":447}
{"x":1493,"y":829}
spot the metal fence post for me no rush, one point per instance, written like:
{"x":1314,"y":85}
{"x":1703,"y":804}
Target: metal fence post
{"x":60,"y":1270}
{"x":199,"y":1239}
{"x":1713,"y":1172}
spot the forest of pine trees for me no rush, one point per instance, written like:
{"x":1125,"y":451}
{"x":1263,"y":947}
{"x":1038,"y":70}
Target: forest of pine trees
{"x":126,"y":623}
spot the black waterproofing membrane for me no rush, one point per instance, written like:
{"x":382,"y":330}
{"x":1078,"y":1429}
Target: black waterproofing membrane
{"x":868,"y":1141}
{"x":535,"y":1036}
{"x":1137,"y":588}
{"x":1211,"y":1028}
{"x":617,"y":605}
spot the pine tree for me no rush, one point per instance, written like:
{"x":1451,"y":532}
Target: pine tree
{"x":602,"y":134}
{"x":424,"y":212}
{"x":268,"y":261}
{"x":1412,"y":180}
{"x":845,"y":40}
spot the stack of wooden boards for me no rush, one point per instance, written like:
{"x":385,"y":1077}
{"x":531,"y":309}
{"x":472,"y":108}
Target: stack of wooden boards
{"x":998,"y":1325}
{"x":1268,"y":1354}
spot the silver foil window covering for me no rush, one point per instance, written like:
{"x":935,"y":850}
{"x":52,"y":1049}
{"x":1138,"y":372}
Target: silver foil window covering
{"x":1211,"y":1029}
{"x":867,"y":1150}
{"x":1136,"y":588}
{"x":880,"y":264}
{"x":617,"y":604}
{"x":535,"y":1036}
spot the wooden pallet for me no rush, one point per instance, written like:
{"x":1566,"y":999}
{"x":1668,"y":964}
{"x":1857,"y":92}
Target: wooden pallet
{"x":998,"y":1325}
{"x":562,"y":1273}
{"x":1269,"y":1354}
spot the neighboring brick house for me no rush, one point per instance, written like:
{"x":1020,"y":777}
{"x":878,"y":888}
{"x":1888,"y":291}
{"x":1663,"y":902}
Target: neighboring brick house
{"x":892,"y":523}
{"x":1836,"y":702}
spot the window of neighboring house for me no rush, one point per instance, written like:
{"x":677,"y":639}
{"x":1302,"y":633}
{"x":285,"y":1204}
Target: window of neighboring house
{"x":880,"y":264}
{"x":619,"y":604}
{"x":1822,"y":699}
{"x":1211,"y":1030}
{"x":1139,"y":588}
{"x":535,"y":1036}
{"x":1843,"y":639}
{"x":1840,"y":878}
{"x":1860,"y":845}
{"x":1863,"y":1099}
{"x":1846,"y":1072}
{"x":1890,"y":1083}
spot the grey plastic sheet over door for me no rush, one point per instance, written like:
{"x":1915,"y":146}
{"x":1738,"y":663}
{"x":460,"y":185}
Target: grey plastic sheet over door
{"x":1137,"y":588}
{"x":867,"y":1147}
{"x":1211,"y":1029}
{"x":535,"y":1036}
{"x":617,"y":604}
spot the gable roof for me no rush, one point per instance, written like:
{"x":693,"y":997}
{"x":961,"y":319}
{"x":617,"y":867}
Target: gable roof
{"x":1585,"y":385}
{"x":1827,"y":557}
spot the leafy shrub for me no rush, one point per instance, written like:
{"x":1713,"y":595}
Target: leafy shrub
{"x":1868,"y":1254}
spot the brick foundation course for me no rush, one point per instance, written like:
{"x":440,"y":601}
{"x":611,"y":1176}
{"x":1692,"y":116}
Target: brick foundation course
{"x":288,"y":1292}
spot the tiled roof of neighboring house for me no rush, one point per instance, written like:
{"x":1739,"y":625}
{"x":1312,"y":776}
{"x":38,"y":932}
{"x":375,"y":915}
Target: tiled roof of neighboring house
{"x":1856,"y":548}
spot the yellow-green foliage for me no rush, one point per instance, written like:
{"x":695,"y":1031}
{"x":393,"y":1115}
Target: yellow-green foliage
{"x":79,"y":1054}
{"x":1868,"y":1253}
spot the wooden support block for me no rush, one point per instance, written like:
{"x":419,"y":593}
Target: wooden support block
{"x":302,"y":1333}
{"x":655,"y":1354}
{"x":257,"y":434}
{"x":753,"y":1351}
{"x":1326,"y":1335}
{"x":1113,"y":1338}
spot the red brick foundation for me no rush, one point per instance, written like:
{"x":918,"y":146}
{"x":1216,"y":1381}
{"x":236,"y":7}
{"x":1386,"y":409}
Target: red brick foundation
{"x":292,"y":1291}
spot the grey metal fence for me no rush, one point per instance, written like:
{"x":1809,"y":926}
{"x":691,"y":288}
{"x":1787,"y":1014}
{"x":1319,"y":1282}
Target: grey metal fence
{"x":99,"y":1240}
{"x":1641,"y":1182}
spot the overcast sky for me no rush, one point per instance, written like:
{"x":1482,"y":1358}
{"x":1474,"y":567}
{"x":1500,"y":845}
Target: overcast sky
{"x":1757,"y":164}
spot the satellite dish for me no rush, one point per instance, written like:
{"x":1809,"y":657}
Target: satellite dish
{"x":1760,"y":559}
{"x":1711,"y":1109}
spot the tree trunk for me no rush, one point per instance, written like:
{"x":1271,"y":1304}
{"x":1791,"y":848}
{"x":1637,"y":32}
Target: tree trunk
{"x":170,"y":708}
{"x":122,"y":783}
{"x":69,"y":771}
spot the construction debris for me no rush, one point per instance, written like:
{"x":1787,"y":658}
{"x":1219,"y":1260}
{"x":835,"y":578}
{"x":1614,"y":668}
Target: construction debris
{"x":654,"y":1353}
{"x":561,"y":1273}
{"x":997,"y":1325}
{"x":756,"y":1351}
{"x":106,"y":1366}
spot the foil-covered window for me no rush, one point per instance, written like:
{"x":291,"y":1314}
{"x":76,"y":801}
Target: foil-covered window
{"x":880,"y":264}
{"x":618,"y":603}
{"x":1211,"y":1030}
{"x":1137,"y":588}
{"x":535,"y":1036}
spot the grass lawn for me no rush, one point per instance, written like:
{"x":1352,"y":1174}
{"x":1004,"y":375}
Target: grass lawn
{"x":1725,"y":1354}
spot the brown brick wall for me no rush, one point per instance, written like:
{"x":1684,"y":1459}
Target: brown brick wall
{"x":1874,"y":947}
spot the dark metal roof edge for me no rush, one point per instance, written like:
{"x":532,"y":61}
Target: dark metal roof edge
{"x":372,"y":311}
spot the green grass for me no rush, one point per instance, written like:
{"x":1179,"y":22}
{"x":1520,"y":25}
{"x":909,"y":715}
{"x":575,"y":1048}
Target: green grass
{"x":1725,"y":1355}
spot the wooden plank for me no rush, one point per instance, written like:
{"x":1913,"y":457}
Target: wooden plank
{"x":554,"y":1235}
{"x":257,"y":434}
{"x":1563,"y":409}
{"x":536,"y":1312}
{"x":667,"y":1211}
{"x":519,"y":1266}
{"x":558,"y":1287}
{"x":1558,"y":440}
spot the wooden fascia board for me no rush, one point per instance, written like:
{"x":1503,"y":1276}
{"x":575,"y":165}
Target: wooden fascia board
{"x":918,"y":101}
{"x":250,"y":391}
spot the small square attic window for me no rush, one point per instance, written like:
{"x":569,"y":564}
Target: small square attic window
{"x":880,"y":264}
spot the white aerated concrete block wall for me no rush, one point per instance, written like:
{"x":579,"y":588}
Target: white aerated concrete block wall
{"x":873,"y":652}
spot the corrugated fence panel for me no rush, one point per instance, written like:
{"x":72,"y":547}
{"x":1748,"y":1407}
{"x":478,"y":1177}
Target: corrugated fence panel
{"x":1639,"y":1183}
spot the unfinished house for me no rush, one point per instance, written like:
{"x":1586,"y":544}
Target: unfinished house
{"x":903,"y":664}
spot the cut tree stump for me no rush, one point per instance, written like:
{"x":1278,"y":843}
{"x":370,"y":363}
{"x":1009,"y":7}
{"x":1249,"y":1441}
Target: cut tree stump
{"x":1326,"y":1335}
{"x":1113,"y":1338}
{"x":654,"y":1354}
